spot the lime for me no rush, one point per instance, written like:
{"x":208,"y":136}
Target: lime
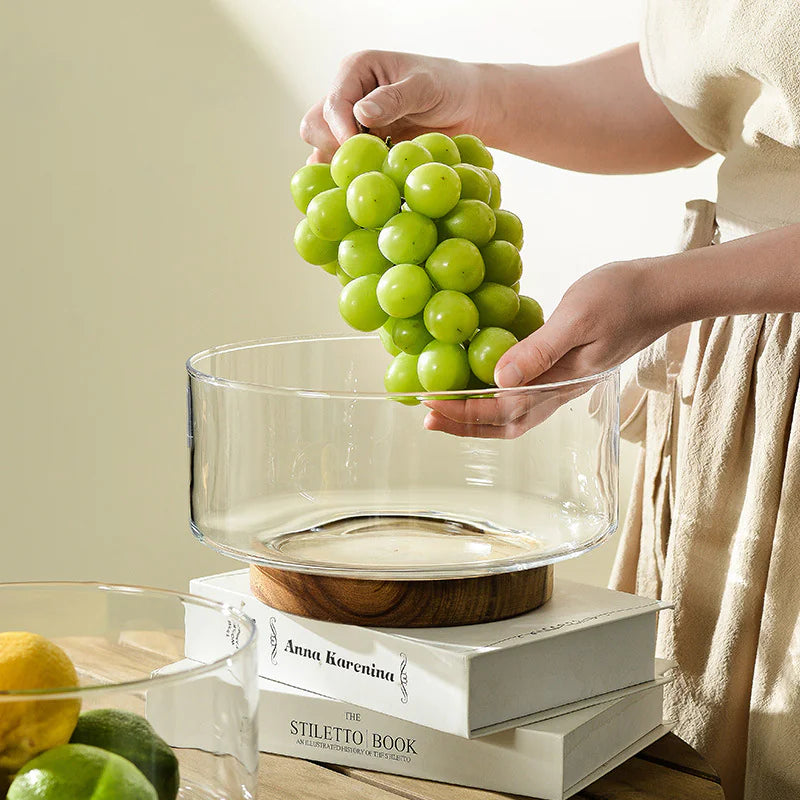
{"x":27,"y":727}
{"x":132,"y":737}
{"x":80,"y":772}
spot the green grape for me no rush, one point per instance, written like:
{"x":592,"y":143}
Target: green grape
{"x":529,"y":318}
{"x":411,"y":335}
{"x":441,"y":147}
{"x":331,"y":267}
{"x":494,"y":182}
{"x":475,"y":382}
{"x":308,"y":182}
{"x":401,"y":377}
{"x":402,"y":158}
{"x":443,"y":367}
{"x":432,"y":189}
{"x":474,"y":183}
{"x":358,"y":304}
{"x":508,"y":228}
{"x":497,"y":305}
{"x":469,"y":219}
{"x":310,"y":247}
{"x":473,"y":151}
{"x":502,"y":261}
{"x":403,"y":290}
{"x":386,"y":335}
{"x":450,"y":316}
{"x":327,"y":215}
{"x":359,"y":255}
{"x":343,"y":277}
{"x":372,"y":198}
{"x":485,"y":351}
{"x":456,"y":264}
{"x":407,"y":238}
{"x":360,"y":153}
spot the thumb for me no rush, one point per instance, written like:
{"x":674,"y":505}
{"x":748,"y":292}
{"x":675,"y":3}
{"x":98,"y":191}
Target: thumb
{"x":387,"y":104}
{"x":533,"y":356}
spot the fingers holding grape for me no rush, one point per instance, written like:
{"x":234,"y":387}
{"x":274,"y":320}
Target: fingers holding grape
{"x":315,"y":131}
{"x":401,"y":95}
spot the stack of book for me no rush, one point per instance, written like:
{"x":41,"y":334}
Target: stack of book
{"x":539,"y":705}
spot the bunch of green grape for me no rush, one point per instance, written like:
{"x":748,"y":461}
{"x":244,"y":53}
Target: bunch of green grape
{"x":425,"y":255}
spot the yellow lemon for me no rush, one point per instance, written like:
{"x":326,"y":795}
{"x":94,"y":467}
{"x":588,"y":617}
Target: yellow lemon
{"x":27,"y":727}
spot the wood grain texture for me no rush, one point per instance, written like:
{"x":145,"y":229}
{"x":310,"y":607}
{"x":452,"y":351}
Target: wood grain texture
{"x":111,"y":662}
{"x":638,"y":779}
{"x":281,"y":778}
{"x":403,"y":604}
{"x":418,"y":789}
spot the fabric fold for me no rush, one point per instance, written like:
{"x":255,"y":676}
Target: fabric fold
{"x":712,"y":528}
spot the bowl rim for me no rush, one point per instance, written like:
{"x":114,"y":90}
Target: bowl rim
{"x":201,"y":668}
{"x":462,"y":394}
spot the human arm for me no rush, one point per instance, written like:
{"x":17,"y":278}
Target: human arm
{"x":613,"y":312}
{"x":598,"y":115}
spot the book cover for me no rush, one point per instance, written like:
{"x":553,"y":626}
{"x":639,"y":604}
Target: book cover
{"x":551,"y":760}
{"x":470,"y":680}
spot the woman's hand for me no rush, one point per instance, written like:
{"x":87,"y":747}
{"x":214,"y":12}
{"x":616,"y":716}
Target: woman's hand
{"x":394,"y":94}
{"x":598,"y":115}
{"x":604,"y":318}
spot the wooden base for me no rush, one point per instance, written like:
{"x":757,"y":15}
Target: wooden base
{"x":403,"y":604}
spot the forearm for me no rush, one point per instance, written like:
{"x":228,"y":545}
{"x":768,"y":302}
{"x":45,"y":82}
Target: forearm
{"x":756,"y":274}
{"x":598,"y":115}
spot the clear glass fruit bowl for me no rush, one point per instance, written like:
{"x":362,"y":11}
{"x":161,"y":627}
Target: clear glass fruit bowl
{"x":301,"y":461}
{"x":117,"y":637}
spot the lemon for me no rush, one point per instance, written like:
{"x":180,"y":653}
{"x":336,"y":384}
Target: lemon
{"x":80,"y":772}
{"x":27,"y":727}
{"x":132,"y":737}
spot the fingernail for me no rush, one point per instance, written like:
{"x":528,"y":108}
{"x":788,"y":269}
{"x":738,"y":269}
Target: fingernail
{"x":509,"y":376}
{"x":370,"y":109}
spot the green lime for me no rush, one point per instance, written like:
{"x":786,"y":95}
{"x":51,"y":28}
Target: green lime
{"x":132,"y":737}
{"x":80,"y":772}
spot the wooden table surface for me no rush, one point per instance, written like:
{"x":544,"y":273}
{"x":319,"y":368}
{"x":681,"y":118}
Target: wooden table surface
{"x":667,"y":770}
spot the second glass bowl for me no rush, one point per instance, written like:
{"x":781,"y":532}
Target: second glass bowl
{"x":124,"y":642}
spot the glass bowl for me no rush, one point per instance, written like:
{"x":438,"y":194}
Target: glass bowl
{"x":117,"y":637}
{"x":300,"y":460}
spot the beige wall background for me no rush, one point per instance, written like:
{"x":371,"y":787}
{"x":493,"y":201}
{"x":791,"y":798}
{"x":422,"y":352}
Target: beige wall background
{"x":145,"y":153}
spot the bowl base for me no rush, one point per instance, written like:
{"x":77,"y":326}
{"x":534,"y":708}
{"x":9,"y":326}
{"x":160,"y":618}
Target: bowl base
{"x":403,"y":603}
{"x":380,"y":542}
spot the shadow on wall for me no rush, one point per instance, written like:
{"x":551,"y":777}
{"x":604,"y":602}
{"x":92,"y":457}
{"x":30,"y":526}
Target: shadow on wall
{"x":145,"y":215}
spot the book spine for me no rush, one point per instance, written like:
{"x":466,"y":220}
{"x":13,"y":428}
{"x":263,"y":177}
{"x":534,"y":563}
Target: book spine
{"x":393,"y":675}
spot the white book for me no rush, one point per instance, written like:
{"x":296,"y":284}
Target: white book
{"x":471,"y":680}
{"x":551,"y":760}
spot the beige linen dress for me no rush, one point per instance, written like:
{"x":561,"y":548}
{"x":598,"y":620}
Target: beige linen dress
{"x":714,"y":522}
